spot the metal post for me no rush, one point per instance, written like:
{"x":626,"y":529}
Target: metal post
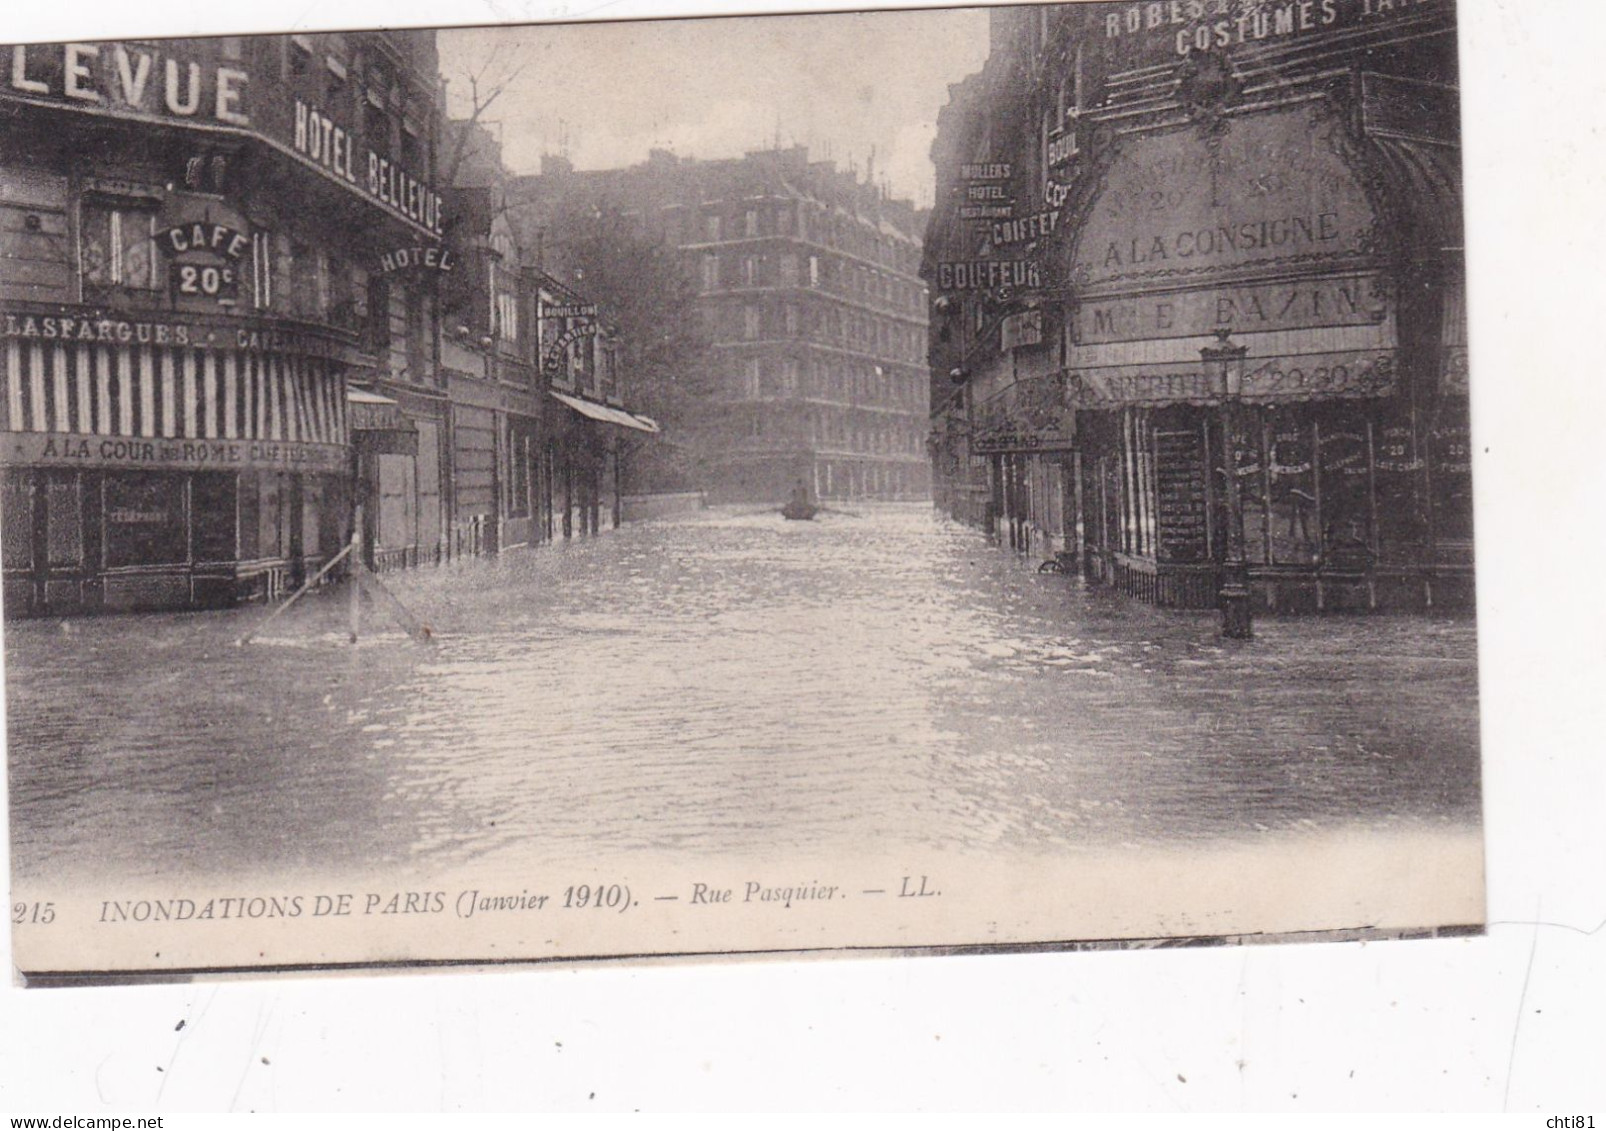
{"x":1237,"y":617}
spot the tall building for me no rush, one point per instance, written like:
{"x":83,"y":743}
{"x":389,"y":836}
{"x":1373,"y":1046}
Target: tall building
{"x":196,"y":243}
{"x":807,"y":290}
{"x":1198,"y":290}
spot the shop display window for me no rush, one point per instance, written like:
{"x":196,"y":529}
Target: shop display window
{"x":146,"y":520}
{"x":16,"y":525}
{"x":213,"y":502}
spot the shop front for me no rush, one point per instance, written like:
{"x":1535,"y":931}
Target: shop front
{"x":1027,"y":433}
{"x":166,"y":463}
{"x":583,"y":463}
{"x":1262,"y":356}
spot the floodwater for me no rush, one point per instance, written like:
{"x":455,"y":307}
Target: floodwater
{"x":721,"y":683}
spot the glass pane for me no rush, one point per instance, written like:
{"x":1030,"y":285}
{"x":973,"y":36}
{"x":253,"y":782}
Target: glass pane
{"x":212,"y":498}
{"x":16,"y":527}
{"x":1292,"y":475}
{"x":1346,"y":490}
{"x":145,"y":519}
{"x":139,"y":251}
{"x":64,"y":520}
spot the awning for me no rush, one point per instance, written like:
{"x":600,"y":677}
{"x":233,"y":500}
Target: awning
{"x":378,"y":423}
{"x":608,"y":414}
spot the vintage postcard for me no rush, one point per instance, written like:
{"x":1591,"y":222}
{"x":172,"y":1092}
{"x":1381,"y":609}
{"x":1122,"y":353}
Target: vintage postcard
{"x":925,"y":479}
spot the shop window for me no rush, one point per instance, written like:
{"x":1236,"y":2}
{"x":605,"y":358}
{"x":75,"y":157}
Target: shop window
{"x":273,"y":505}
{"x":313,"y":490}
{"x":118,"y":246}
{"x":421,"y":333}
{"x":64,"y":521}
{"x":250,"y":517}
{"x":145,"y":519}
{"x":518,"y":503}
{"x":376,"y":329}
{"x":1249,"y":464}
{"x":1346,"y":489}
{"x":1451,"y":445}
{"x":1291,"y":481}
{"x":1401,"y":524}
{"x":212,"y":501}
{"x":16,"y":522}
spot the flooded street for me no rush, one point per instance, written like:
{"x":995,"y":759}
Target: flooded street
{"x":725,"y":682}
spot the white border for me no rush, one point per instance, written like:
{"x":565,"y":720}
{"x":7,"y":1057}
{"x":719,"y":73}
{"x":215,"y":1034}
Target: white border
{"x":1513,"y":1020}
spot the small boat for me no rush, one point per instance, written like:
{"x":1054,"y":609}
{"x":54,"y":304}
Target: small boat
{"x":796,"y":511}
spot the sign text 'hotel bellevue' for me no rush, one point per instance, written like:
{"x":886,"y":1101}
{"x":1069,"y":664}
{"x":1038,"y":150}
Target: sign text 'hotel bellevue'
{"x":135,"y":81}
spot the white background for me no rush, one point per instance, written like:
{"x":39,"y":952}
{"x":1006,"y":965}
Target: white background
{"x":1514,"y":1020}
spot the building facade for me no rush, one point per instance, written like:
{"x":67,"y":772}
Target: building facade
{"x":1199,"y":315}
{"x":807,"y":289}
{"x":192,"y":239}
{"x":538,"y":422}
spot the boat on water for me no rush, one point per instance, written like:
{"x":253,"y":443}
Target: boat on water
{"x":799,"y":508}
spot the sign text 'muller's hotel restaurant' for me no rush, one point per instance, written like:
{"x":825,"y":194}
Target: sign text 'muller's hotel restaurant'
{"x":190,"y":237}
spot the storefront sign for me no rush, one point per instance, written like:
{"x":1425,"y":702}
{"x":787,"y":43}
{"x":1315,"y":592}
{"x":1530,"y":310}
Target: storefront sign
{"x":1025,"y":229}
{"x":1353,"y":300}
{"x":1296,"y":378}
{"x":219,"y":240}
{"x":572,"y":310}
{"x":1155,"y":30}
{"x":68,"y":450}
{"x":426,"y":258}
{"x":1181,"y":514}
{"x":552,"y":359}
{"x":1273,"y":192}
{"x":988,"y":274}
{"x":129,"y":79}
{"x":984,"y":171}
{"x":1061,"y":149}
{"x":1030,"y":415}
{"x":986,"y":211}
{"x":253,"y":337}
{"x":369,"y":417}
{"x":322,"y":141}
{"x":988,"y":194}
{"x":1021,"y":330}
{"x":218,"y":281}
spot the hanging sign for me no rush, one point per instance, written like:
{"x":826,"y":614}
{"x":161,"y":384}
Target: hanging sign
{"x":988,"y":274}
{"x":427,"y":258}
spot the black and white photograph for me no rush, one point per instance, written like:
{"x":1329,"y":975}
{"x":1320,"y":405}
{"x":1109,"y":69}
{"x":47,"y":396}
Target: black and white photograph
{"x":755,"y":555}
{"x":955,"y":478}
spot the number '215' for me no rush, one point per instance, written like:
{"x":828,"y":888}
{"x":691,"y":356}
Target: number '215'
{"x":40,"y":913}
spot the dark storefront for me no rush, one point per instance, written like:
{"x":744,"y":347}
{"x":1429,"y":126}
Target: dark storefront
{"x":143,"y":475}
{"x":190,"y":281}
{"x":1241,"y":222}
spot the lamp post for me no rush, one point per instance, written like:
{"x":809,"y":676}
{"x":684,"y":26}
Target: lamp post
{"x":1226,"y":361}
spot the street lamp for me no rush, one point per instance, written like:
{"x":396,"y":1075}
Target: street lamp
{"x":1226,"y":361}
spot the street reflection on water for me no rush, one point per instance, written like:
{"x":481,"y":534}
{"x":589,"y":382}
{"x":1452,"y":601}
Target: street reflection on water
{"x":725,"y":682}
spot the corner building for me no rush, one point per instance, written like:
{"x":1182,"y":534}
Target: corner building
{"x":1245,"y":221}
{"x":191,"y":284}
{"x":808,"y":292}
